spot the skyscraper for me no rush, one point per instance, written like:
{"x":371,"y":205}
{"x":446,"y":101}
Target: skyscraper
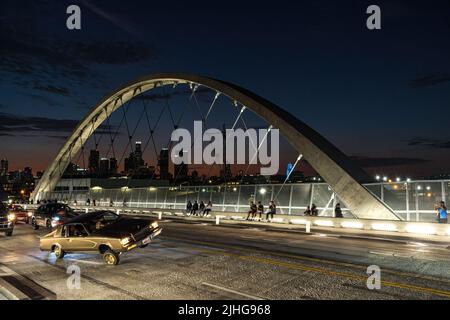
{"x":181,"y":170}
{"x":134,"y":161}
{"x":94,"y":161}
{"x":104,"y":167}
{"x":4,"y":167}
{"x":164,"y":164}
{"x":113,"y":166}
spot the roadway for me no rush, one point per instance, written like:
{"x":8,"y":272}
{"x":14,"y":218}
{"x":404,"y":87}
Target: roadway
{"x":198,"y":260}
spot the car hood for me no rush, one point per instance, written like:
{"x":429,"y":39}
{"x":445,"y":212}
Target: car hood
{"x":123,"y":227}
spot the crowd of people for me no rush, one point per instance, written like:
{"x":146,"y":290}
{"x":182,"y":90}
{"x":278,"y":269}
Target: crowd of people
{"x":196,"y":209}
{"x":259,"y":210}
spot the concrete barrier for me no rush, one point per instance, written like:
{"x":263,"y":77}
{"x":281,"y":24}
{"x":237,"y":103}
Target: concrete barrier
{"x":390,"y":226}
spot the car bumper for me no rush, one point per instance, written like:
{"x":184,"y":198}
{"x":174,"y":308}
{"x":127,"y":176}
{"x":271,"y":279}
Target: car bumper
{"x":146,"y":240}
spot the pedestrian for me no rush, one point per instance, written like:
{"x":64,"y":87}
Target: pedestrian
{"x":338,"y":211}
{"x":189,"y":207}
{"x":272,"y":210}
{"x":307,"y":211}
{"x":88,"y":202}
{"x":111,"y":203}
{"x":202,"y":208}
{"x":252,"y":210}
{"x":93,"y":202}
{"x":442,"y":213}
{"x":314,"y":210}
{"x":208,"y":209}
{"x":194,"y":208}
{"x":260,"y":209}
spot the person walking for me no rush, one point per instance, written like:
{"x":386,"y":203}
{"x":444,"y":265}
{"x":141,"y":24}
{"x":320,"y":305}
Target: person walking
{"x":272,"y":210}
{"x":442,"y":213}
{"x":194,"y":208}
{"x":338,"y":211}
{"x":202,"y":208}
{"x":189,"y":207}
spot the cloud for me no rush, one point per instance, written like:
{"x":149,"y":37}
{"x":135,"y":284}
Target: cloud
{"x":368,"y":162}
{"x":429,"y":80}
{"x":45,"y":60}
{"x":429,"y":142}
{"x":13,"y":125}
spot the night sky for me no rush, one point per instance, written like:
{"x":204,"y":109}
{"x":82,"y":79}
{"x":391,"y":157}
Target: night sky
{"x":382,"y":96}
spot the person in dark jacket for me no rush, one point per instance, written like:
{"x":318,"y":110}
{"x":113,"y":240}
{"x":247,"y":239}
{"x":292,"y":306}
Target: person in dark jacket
{"x":338,"y":211}
{"x":194,"y":208}
{"x":189,"y":207}
{"x":260,"y":209}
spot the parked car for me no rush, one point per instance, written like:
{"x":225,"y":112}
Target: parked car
{"x":103,"y":232}
{"x":51,"y":215}
{"x":20,"y":214}
{"x":6,"y":220}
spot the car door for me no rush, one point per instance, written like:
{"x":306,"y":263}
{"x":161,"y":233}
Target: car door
{"x":39,"y":215}
{"x":79,"y":238}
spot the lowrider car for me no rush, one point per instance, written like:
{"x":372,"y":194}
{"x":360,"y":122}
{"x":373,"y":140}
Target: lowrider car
{"x":103,"y":232}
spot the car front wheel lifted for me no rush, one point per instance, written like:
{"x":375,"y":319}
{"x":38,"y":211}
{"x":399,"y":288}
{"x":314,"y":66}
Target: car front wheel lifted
{"x":111,"y":258}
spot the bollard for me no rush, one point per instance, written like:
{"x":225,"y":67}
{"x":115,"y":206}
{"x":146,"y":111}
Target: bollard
{"x":118,"y":211}
{"x":87,"y":210}
{"x":159,"y":215}
{"x":308,"y":226}
{"x":217,"y":220}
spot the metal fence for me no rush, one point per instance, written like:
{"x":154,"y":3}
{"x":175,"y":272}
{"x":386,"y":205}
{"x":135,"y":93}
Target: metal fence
{"x":412,"y":201}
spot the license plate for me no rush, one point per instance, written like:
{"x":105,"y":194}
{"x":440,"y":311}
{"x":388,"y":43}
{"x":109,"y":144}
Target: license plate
{"x":147,"y":240}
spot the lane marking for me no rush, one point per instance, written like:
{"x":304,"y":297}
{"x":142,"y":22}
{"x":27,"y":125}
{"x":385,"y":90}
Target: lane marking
{"x":84,"y":261}
{"x":232,"y":291}
{"x":296,"y":266}
{"x":318,"y":260}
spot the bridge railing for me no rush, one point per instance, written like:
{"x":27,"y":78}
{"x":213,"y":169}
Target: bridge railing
{"x":413,"y":201}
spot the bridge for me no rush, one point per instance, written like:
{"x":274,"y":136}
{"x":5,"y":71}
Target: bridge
{"x":342,"y":176}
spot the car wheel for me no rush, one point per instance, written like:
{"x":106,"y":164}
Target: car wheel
{"x":48,"y":224}
{"x":34,"y":224}
{"x":111,"y":258}
{"x":9,"y":233}
{"x":59,"y":253}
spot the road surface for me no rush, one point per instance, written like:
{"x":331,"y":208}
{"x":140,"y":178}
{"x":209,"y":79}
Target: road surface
{"x":204,"y":261}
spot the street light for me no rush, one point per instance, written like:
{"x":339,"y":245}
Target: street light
{"x":262,"y":191}
{"x":398,"y":179}
{"x":377,"y":178}
{"x":385,"y":179}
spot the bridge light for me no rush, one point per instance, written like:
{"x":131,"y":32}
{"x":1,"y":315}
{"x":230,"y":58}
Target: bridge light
{"x":428,"y":188}
{"x":385,"y":179}
{"x":262,"y":191}
{"x":408,"y":180}
{"x":377,"y":178}
{"x":398,"y":179}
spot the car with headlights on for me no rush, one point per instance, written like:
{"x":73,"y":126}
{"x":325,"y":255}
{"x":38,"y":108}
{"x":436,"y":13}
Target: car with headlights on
{"x":103,"y":232}
{"x":20,"y":214}
{"x":51,"y":215}
{"x":6,"y":220}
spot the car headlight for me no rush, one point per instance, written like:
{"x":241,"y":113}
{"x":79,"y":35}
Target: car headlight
{"x":30,"y":214}
{"x":56,"y":218}
{"x":154,"y":225}
{"x":11,"y":217}
{"x":125,"y":241}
